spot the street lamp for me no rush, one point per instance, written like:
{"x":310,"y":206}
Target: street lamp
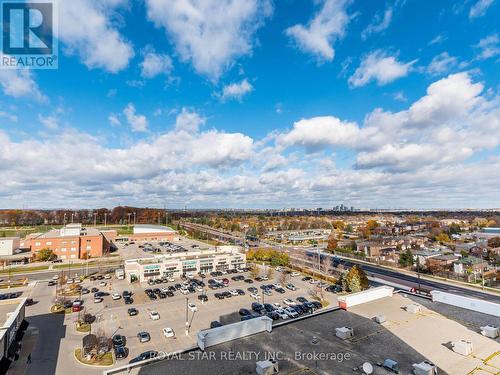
{"x":187,"y":317}
{"x":134,"y":218}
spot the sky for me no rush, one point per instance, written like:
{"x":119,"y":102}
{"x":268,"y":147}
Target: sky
{"x":259,"y":104}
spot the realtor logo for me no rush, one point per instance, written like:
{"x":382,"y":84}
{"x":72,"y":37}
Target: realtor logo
{"x":28,"y":35}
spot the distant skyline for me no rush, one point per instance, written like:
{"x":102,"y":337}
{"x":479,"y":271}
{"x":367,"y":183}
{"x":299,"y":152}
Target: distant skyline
{"x":259,"y":104}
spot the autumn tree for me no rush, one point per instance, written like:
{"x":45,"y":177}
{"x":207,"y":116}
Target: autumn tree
{"x":332,"y":243}
{"x":45,"y":255}
{"x":494,"y":242}
{"x":254,"y":271}
{"x":356,"y":280}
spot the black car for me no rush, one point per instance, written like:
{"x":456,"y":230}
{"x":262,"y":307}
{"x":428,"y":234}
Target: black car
{"x":128,"y":300}
{"x":301,"y":299}
{"x":247,"y":317}
{"x":257,"y":307}
{"x":132,"y":311}
{"x":280,"y":290}
{"x":93,"y":290}
{"x":215,"y":324}
{"x":317,"y":304}
{"x":162,"y":295}
{"x":172,"y":288}
{"x":85,"y":291}
{"x":306,"y":278}
{"x":268,"y":307}
{"x":152,"y":296}
{"x":156,"y":291}
{"x":51,"y":283}
{"x":169,"y":293}
{"x":92,"y":278}
{"x":177,"y":286}
{"x":119,"y":340}
{"x":273,"y":315}
{"x":252,"y":289}
{"x":244,"y":312}
{"x":146,"y":355}
{"x":126,"y":294}
{"x":191,"y":290}
{"x":249,"y":281}
{"x":241,"y":292}
{"x":203,"y":297}
{"x":219,"y":295}
{"x":309,"y":306}
{"x":299,"y":309}
{"x":121,"y":352}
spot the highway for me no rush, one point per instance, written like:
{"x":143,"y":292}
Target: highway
{"x":412,"y":281}
{"x":48,"y":274}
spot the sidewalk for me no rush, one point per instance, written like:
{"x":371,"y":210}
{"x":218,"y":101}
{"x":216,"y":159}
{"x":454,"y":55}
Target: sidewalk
{"x":28,"y":343}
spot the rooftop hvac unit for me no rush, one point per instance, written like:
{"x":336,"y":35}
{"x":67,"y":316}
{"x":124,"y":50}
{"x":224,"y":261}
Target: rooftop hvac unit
{"x":489,"y":331}
{"x":380,"y":319}
{"x":462,"y":347}
{"x":344,"y":333}
{"x":425,"y":368}
{"x":414,"y":309}
{"x":266,"y":367}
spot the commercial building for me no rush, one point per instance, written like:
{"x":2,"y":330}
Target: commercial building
{"x":73,"y":241}
{"x":149,"y":232}
{"x":8,"y":245}
{"x":12,"y":322}
{"x":176,"y":264}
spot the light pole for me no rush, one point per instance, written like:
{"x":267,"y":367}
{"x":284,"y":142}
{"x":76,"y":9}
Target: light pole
{"x":134,"y":218}
{"x":187,"y":317}
{"x":128,"y":220}
{"x":105,"y":218}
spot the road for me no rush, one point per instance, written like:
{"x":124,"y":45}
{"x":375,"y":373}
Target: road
{"x":412,"y":281}
{"x":48,"y":274}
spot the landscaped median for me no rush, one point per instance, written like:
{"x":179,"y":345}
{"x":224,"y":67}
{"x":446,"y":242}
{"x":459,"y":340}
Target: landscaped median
{"x":104,"y":360}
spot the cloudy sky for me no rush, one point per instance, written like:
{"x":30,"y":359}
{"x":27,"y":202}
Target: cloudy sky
{"x":259,"y":103}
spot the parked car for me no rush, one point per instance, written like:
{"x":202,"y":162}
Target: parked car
{"x":249,"y":281}
{"x":294,"y":274}
{"x":215,"y":324}
{"x":269,"y":307}
{"x":121,"y":352}
{"x":291,"y":287}
{"x":257,"y":307}
{"x":273,"y":315}
{"x":128,"y":300}
{"x":280,"y":290}
{"x":255,"y":295}
{"x":143,"y":336}
{"x":281,"y":313}
{"x":116,"y":296}
{"x":291,"y":312}
{"x":288,"y":302}
{"x":102,"y":283}
{"x":154,"y":315}
{"x":119,"y":340}
{"x":203,"y":297}
{"x":143,"y":356}
{"x":98,"y":299}
{"x":132,"y":311}
{"x":301,"y":299}
{"x":168,"y":332}
{"x":244,"y":312}
{"x":192,"y":307}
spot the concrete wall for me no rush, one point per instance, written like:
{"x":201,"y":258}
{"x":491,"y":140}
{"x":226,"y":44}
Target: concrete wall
{"x":365,"y":296}
{"x":8,"y":245}
{"x":484,"y":307}
{"x":233,"y":331}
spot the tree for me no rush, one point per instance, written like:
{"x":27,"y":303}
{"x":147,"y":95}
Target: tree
{"x":356,"y":280}
{"x":494,"y":242}
{"x":284,"y":278}
{"x":254,"y":271}
{"x":406,"y":258}
{"x":332,"y":243}
{"x":270,"y":272}
{"x":442,"y":237}
{"x":45,"y":255}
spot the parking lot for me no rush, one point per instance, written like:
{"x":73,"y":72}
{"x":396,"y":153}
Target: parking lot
{"x":113,"y":318}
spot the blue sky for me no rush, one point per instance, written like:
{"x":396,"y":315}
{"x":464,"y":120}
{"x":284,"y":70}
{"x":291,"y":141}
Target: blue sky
{"x":259,"y":104}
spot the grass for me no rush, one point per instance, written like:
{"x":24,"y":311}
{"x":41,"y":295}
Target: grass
{"x":104,"y":360}
{"x":11,"y":285}
{"x":24,"y":269}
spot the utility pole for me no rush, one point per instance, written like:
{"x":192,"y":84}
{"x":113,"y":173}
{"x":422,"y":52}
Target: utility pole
{"x":418,"y":273}
{"x":105,"y":218}
{"x":187,"y":317}
{"x":134,"y":218}
{"x":72,"y":216}
{"x":64,"y":219}
{"x":128,"y":219}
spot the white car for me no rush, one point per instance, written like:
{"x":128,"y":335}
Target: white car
{"x":255,"y":296}
{"x":277,"y":305}
{"x":233,"y":292}
{"x":264,"y":278}
{"x":78,"y":280}
{"x":192,"y":307}
{"x":55,"y":277}
{"x":279,"y":269}
{"x":171,"y":279}
{"x":291,"y":312}
{"x":291,"y":287}
{"x":288,"y":302}
{"x":107,"y":276}
{"x":116,"y":296}
{"x":277,"y":285}
{"x":168,"y":332}
{"x":70,"y":281}
{"x":282,"y":314}
{"x":184,"y":291}
{"x":189,"y":275}
{"x":153,"y":315}
{"x":102,"y":283}
{"x":164,"y":289}
{"x":98,"y":299}
{"x":294,"y":274}
{"x":199,"y":289}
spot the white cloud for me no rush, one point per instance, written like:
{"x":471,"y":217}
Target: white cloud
{"x":138,"y":123}
{"x":479,"y":8}
{"x":20,"y":83}
{"x":9,"y":116}
{"x":379,"y":23}
{"x":114,"y":120}
{"x":438,"y":39}
{"x":189,"y":121}
{"x":400,"y":96}
{"x":488,"y":47}
{"x":236,"y":90}
{"x":154,"y":64}
{"x":442,"y":63}
{"x":380,"y":67}
{"x":87,"y":30}
{"x":50,"y":122}
{"x":317,"y":132}
{"x":211,"y":34}
{"x":319,"y":35}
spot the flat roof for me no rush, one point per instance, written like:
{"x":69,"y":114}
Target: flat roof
{"x":310,"y":346}
{"x":8,"y":306}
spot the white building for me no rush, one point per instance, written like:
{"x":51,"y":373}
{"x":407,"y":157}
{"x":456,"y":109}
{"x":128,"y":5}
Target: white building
{"x":8,"y":245}
{"x":176,"y":264}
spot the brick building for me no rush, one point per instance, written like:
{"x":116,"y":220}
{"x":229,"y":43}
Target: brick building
{"x":70,"y":242}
